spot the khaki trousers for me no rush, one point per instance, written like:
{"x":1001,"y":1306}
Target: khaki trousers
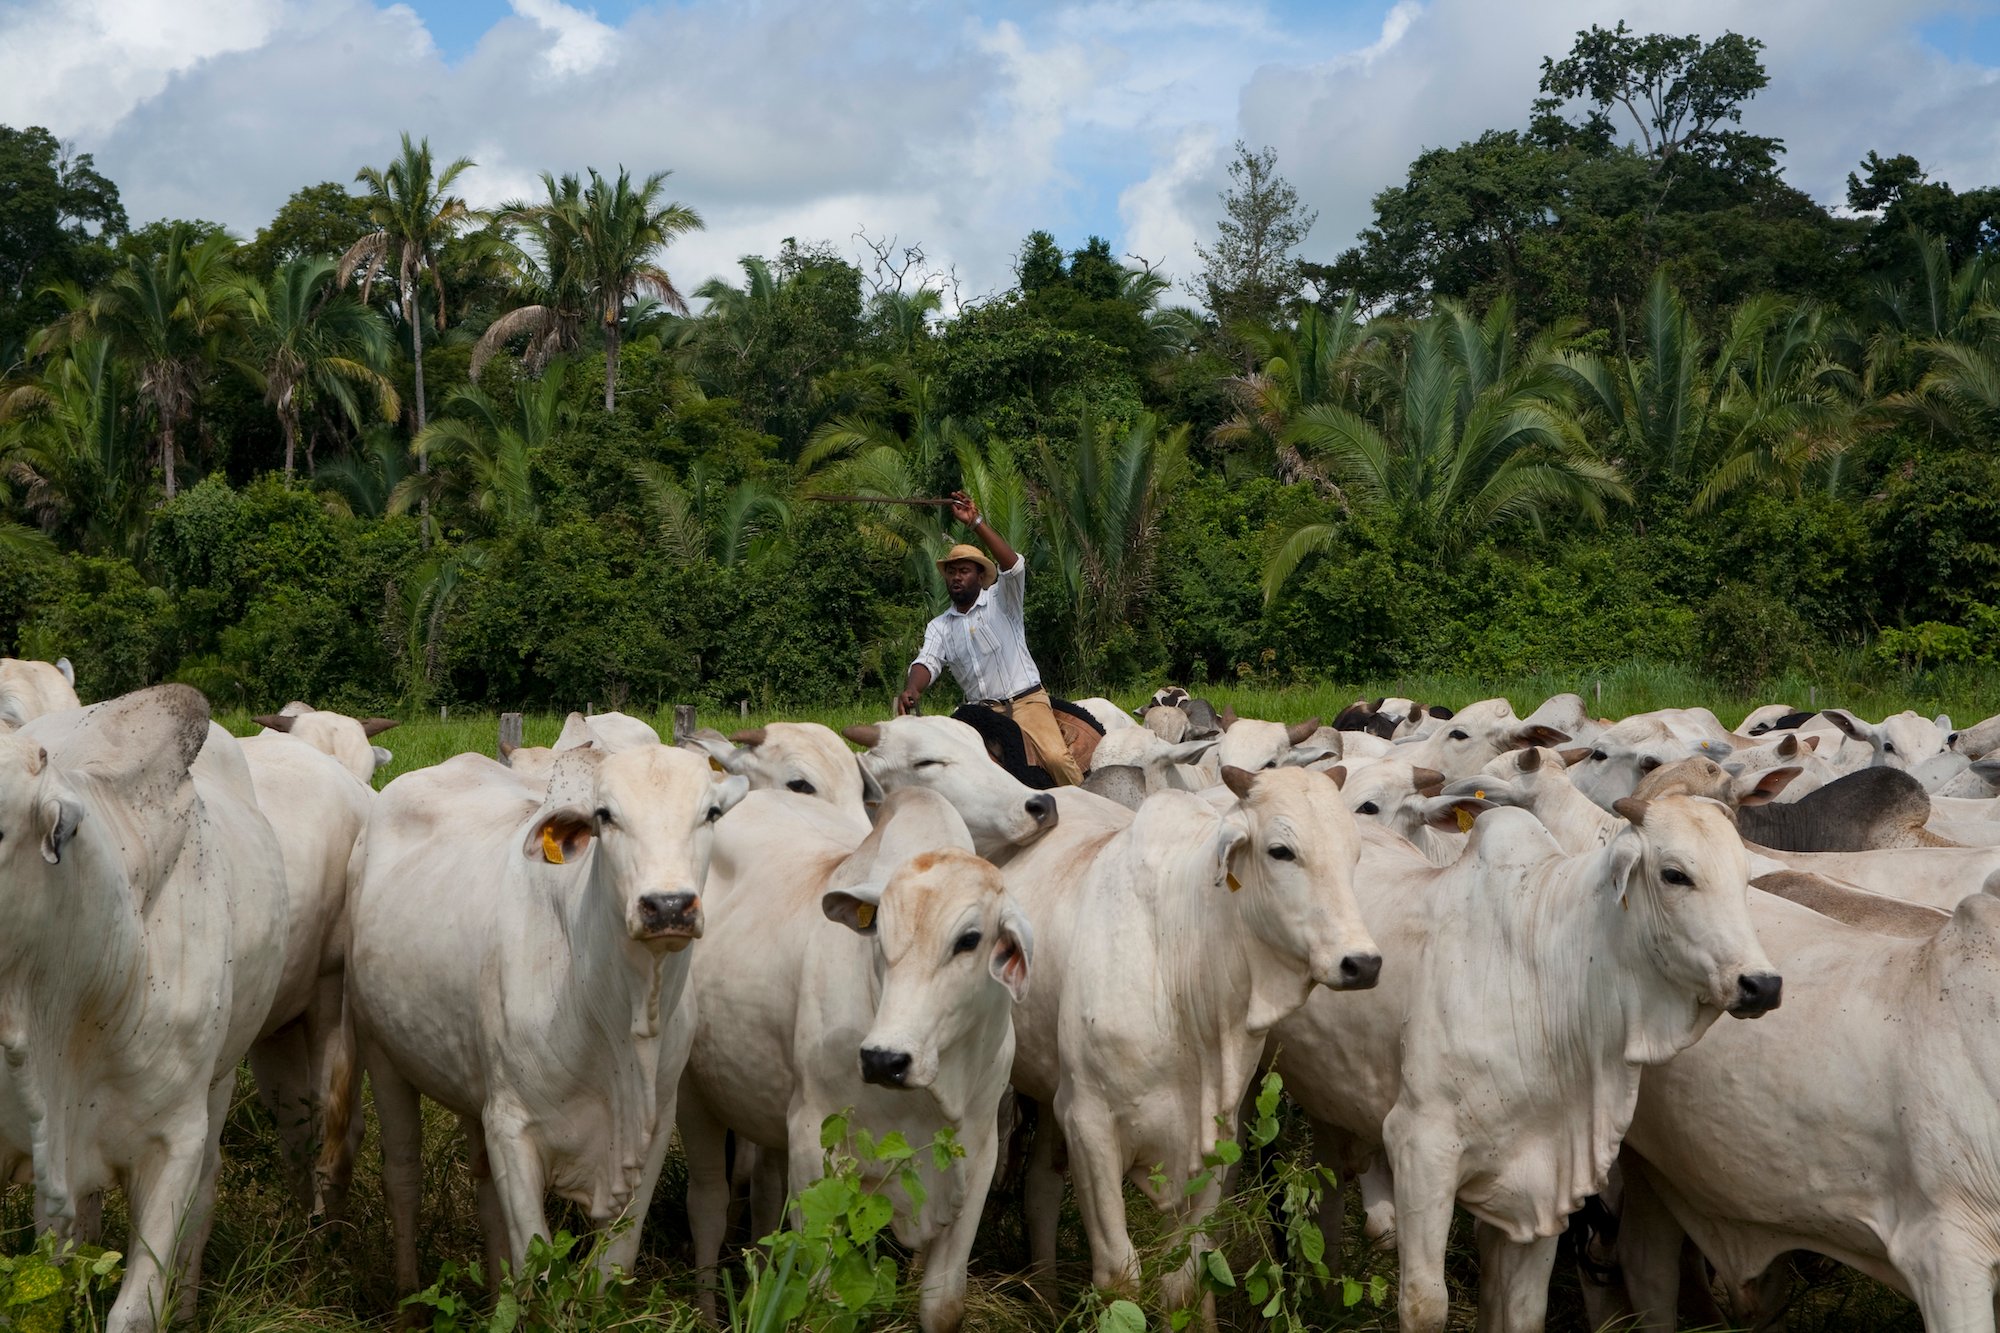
{"x":1045,"y":744}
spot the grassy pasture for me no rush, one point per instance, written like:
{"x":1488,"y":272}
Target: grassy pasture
{"x":268,"y":1270}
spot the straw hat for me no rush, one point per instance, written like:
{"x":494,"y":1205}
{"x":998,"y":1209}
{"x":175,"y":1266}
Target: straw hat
{"x":988,"y":571}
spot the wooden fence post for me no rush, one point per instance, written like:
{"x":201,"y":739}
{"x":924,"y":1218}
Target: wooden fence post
{"x":684,"y":724}
{"x":510,"y":735}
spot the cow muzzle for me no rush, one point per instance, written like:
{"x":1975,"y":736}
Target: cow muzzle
{"x":672,"y":919}
{"x":1359,"y":970}
{"x":885,"y":1068}
{"x":1757,"y":993}
{"x":1042,"y":809}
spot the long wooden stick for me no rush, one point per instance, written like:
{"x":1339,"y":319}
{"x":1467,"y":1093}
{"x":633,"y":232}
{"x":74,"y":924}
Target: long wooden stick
{"x":881,"y":500}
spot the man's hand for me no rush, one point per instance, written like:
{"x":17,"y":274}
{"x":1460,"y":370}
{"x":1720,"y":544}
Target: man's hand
{"x":906,"y":702}
{"x":964,"y":510}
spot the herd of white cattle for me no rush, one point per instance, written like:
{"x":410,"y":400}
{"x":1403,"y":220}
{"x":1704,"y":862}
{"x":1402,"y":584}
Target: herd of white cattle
{"x":1484,"y":951}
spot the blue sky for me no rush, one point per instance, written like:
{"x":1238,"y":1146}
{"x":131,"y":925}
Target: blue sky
{"x":957,"y":126}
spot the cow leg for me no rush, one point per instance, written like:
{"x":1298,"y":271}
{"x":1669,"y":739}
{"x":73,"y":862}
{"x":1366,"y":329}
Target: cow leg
{"x":1378,"y":1205}
{"x":1426,"y":1185}
{"x":1952,"y":1281}
{"x":623,"y":1251}
{"x":1178,"y":1288}
{"x":1041,"y":1200}
{"x":400,"y":1116}
{"x":941,"y":1303}
{"x":1649,"y":1251}
{"x":282,"y":1065}
{"x":1513,"y":1281}
{"x":703,"y":1143}
{"x":201,"y":1215}
{"x":1329,"y":1151}
{"x":518,"y":1176}
{"x":162,"y":1190}
{"x":486,"y":1199}
{"x":767,"y":1189}
{"x":1097,"y":1166}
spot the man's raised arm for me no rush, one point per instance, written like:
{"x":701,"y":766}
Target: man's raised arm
{"x":966,"y":512}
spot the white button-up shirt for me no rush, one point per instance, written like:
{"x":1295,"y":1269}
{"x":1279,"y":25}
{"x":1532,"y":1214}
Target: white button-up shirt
{"x":986,"y":647}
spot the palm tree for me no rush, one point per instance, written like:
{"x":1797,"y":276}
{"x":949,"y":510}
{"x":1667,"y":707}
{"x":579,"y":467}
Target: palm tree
{"x":485,"y":452}
{"x":1462,"y":428}
{"x":701,"y":521}
{"x":415,"y":213}
{"x":364,"y":483}
{"x":549,"y":266}
{"x":165,"y":316}
{"x":624,"y":227}
{"x":1100,"y":513}
{"x":1319,"y":362}
{"x":70,"y":440}
{"x":307,"y":343}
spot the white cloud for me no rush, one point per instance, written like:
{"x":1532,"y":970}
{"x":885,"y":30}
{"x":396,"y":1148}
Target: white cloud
{"x":812,"y":118}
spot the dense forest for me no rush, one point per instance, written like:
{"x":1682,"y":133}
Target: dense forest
{"x":1598,"y":387}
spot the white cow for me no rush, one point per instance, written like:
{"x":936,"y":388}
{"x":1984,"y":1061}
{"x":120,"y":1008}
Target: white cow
{"x":1138,"y":933}
{"x":518,"y":956}
{"x":1977,"y":741}
{"x":1611,"y":767}
{"x":1253,"y":746}
{"x":29,"y":689}
{"x":145,"y":937}
{"x":801,"y":757}
{"x":949,"y":758}
{"x":1859,"y":1121}
{"x":1474,"y":736}
{"x":349,"y":740}
{"x":304,"y":1058}
{"x":1399,"y":796}
{"x":1902,"y":741}
{"x":1500,"y":1070}
{"x":903,"y":1018}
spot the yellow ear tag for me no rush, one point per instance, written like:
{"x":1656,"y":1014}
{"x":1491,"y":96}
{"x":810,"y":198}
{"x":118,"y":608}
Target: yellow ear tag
{"x":1464,"y":820}
{"x":1234,"y":883}
{"x":551,"y":845}
{"x":716,"y":764}
{"x":865,"y":914}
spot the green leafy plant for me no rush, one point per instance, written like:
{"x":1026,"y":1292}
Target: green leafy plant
{"x":561,"y":1288}
{"x":831,"y":1271}
{"x":49,"y":1289}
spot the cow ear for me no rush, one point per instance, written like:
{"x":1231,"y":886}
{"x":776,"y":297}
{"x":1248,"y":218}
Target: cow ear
{"x":375,"y":726}
{"x":61,"y":812}
{"x":559,"y":837}
{"x":383,"y":757}
{"x":68,"y":671}
{"x":1943,"y":723}
{"x":1810,"y":742}
{"x":1013,"y":952}
{"x":1788,"y":748}
{"x":274,"y":721}
{"x":1238,"y":780}
{"x":724,"y":794}
{"x":1455,"y":812}
{"x":871,"y":786}
{"x":855,"y":907}
{"x":1530,"y":759}
{"x":1537,"y":734}
{"x":1850,"y":724}
{"x":1230,"y":839}
{"x":1763,"y":788}
{"x":1626,"y":849}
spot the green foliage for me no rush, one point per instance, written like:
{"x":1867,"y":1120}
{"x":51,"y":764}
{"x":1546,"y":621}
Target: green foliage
{"x":1746,"y":637}
{"x":561,"y":1288}
{"x":57,"y":1286}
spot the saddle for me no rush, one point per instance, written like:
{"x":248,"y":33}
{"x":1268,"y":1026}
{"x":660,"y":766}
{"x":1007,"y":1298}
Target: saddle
{"x":1007,"y":747}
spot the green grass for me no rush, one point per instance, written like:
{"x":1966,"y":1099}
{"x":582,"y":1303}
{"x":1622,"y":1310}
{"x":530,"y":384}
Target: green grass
{"x":268,"y":1271}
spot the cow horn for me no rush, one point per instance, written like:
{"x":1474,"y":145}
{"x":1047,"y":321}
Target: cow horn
{"x":1632,"y":808}
{"x":375,"y":726}
{"x":1427,"y":781}
{"x":1301,"y":732}
{"x":753,"y":738}
{"x":1227,"y":717}
{"x":1529,"y":760}
{"x":1788,"y":746}
{"x":867,"y":735}
{"x":1238,"y":780}
{"x":1338,"y":773}
{"x":275,"y":721}
{"x":1574,"y":755}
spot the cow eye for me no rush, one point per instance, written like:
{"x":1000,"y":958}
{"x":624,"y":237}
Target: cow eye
{"x":1679,"y":877}
{"x":714,"y":813}
{"x":1890,"y":746}
{"x":1283,"y":853}
{"x":965,"y":943}
{"x":1598,"y":756}
{"x":1648,"y":764}
{"x":604,"y":819}
{"x":929,"y":763}
{"x":1272,"y":764}
{"x":801,"y":786}
{"x":1368,"y":808}
{"x":1458,"y":734}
